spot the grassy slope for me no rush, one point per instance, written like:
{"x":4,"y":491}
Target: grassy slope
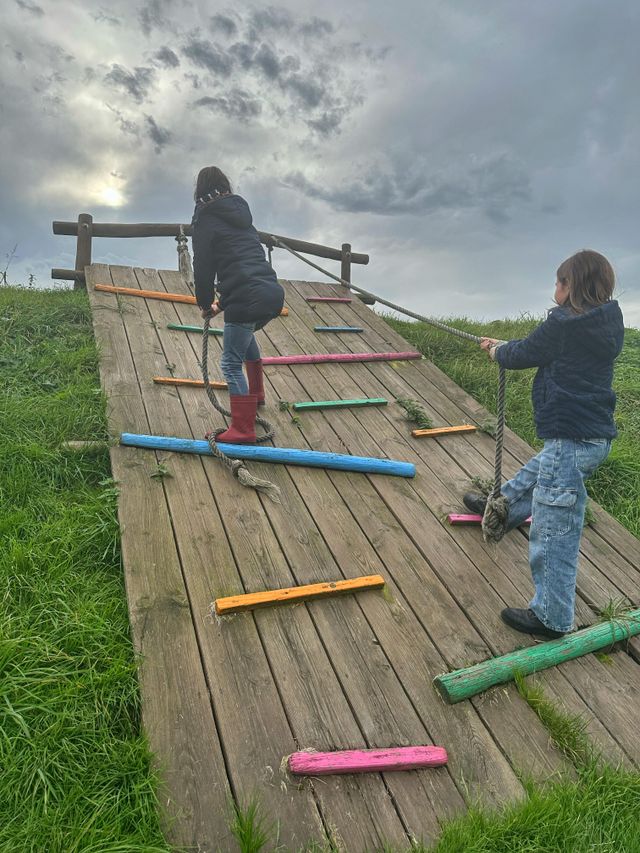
{"x":616,"y":485}
{"x":75,"y":769}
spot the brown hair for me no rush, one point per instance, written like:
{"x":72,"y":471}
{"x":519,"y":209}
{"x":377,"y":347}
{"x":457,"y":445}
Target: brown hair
{"x":211,"y":181}
{"x":590,"y":278}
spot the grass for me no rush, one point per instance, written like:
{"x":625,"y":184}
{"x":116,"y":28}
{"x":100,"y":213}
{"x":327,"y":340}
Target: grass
{"x":75,"y":769}
{"x":616,"y":484}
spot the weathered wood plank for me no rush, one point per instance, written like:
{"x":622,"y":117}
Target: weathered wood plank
{"x":176,"y":711}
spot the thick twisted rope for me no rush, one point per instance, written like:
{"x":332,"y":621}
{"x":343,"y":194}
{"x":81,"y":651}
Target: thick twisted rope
{"x":494,"y":521}
{"x":236,"y":466}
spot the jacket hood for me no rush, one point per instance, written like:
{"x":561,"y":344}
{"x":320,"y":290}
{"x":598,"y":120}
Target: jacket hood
{"x":601,"y":329}
{"x":233,"y":209}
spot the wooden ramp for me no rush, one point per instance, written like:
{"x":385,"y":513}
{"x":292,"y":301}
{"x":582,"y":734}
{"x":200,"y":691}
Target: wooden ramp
{"x":225,"y":701}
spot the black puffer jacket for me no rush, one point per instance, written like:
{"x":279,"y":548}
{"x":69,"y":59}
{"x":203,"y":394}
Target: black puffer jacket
{"x":226,"y":244}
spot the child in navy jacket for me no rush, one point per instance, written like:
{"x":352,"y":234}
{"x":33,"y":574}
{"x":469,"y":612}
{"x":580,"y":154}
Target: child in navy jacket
{"x":226,"y":246}
{"x":574,"y":350}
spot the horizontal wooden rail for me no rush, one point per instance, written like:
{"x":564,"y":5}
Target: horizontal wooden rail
{"x":471,"y":518}
{"x":251,"y":600}
{"x":157,"y":294}
{"x":278,"y":455}
{"x":152,"y":229}
{"x":342,"y":299}
{"x":366,"y":760}
{"x":341,"y":404}
{"x":448,"y":430}
{"x":337,"y":329}
{"x":464,"y":683}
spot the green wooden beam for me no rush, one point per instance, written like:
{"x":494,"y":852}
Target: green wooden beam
{"x":464,"y":683}
{"x":341,"y":404}
{"x":179,"y":328}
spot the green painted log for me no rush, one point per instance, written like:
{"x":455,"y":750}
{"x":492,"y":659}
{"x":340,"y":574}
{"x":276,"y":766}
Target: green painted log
{"x":464,"y":683}
{"x":179,"y":328}
{"x":341,"y":404}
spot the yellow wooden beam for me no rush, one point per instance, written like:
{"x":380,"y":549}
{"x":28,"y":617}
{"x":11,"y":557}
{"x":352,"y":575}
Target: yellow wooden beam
{"x":422,"y":433}
{"x":238,"y":603}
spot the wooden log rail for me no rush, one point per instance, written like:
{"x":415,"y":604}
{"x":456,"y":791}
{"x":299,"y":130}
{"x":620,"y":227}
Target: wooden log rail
{"x":464,"y":683}
{"x":85,"y":229}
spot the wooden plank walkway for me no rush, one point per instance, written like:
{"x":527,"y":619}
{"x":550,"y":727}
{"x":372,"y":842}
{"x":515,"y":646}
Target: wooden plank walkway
{"x":225,"y":701}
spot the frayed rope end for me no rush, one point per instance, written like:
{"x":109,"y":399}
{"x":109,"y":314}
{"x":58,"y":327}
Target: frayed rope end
{"x":494,"y":520}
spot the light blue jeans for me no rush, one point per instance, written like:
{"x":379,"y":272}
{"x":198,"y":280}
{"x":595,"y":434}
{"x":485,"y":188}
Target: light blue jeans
{"x":550,"y":489}
{"x":238,"y":345}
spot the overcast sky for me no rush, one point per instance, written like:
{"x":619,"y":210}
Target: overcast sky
{"x":468,"y":146}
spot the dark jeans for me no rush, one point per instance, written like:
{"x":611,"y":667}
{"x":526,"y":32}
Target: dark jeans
{"x":239,"y":345}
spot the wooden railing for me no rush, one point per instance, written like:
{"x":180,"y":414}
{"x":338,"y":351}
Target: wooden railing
{"x":85,"y":229}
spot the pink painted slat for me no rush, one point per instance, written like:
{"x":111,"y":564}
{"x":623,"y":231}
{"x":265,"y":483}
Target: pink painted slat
{"x":366,"y":760}
{"x":328,"y":299}
{"x":462,"y":518}
{"x":321,"y":357}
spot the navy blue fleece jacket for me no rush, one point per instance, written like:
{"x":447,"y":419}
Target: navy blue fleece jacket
{"x":574,"y":353}
{"x":226,"y":245}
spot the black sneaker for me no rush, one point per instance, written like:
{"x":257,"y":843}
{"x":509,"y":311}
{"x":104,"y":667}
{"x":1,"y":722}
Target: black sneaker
{"x":527,"y":622}
{"x":475,"y":502}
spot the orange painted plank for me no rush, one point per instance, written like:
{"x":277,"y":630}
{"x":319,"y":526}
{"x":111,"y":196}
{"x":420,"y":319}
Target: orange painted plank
{"x":421,"y":433}
{"x":238,"y":603}
{"x":193,"y":383}
{"x":157,"y":294}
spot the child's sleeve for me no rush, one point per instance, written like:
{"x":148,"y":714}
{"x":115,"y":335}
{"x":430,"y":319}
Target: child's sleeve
{"x":204,"y":267}
{"x":541,"y":347}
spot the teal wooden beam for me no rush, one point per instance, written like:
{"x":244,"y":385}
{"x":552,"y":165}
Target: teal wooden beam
{"x":180,"y":328}
{"x":341,"y":404}
{"x":464,"y":683}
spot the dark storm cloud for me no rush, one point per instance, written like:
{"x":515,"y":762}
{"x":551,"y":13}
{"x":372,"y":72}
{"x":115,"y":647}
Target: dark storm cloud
{"x":38,"y":11}
{"x":101,"y":17}
{"x":126,"y":125}
{"x":317,"y":27}
{"x":271,"y":18}
{"x":209,"y":56}
{"x":166,"y":57}
{"x":152,"y":16}
{"x":329,"y":122}
{"x":236,"y":104}
{"x":137,"y":82}
{"x":305,"y":88}
{"x":160,"y":136}
{"x":224,"y":24}
{"x":494,"y":186}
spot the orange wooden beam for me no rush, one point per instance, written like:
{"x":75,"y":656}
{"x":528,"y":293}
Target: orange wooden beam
{"x":192,"y":383}
{"x":421,"y":433}
{"x":157,"y":294}
{"x":238,"y":603}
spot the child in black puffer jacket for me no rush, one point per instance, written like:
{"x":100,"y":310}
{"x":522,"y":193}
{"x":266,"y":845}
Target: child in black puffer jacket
{"x":226,"y":245}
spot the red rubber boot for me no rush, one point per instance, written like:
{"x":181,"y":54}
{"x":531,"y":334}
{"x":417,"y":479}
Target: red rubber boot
{"x":243,"y":420}
{"x":256,"y":379}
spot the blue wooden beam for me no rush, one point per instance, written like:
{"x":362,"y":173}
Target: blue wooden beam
{"x":282,"y":455}
{"x":337,"y":329}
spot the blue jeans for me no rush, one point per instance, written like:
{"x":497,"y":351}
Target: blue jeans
{"x":550,"y":489}
{"x":238,"y":345}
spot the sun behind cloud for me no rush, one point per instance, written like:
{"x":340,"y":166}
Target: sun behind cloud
{"x":111,"y":197}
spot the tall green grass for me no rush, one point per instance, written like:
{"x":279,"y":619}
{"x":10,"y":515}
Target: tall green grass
{"x":616,"y":484}
{"x":74,"y":769}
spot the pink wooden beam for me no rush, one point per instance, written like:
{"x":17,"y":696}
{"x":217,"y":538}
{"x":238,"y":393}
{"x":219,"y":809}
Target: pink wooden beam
{"x":328,"y":299}
{"x":462,"y":518}
{"x":366,"y":760}
{"x":322,"y":357}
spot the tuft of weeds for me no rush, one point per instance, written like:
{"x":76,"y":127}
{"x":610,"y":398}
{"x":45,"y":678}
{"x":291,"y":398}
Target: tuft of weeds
{"x":415,"y":413}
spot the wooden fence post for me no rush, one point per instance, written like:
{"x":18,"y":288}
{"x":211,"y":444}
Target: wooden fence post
{"x":83,"y":247}
{"x":345,"y":272}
